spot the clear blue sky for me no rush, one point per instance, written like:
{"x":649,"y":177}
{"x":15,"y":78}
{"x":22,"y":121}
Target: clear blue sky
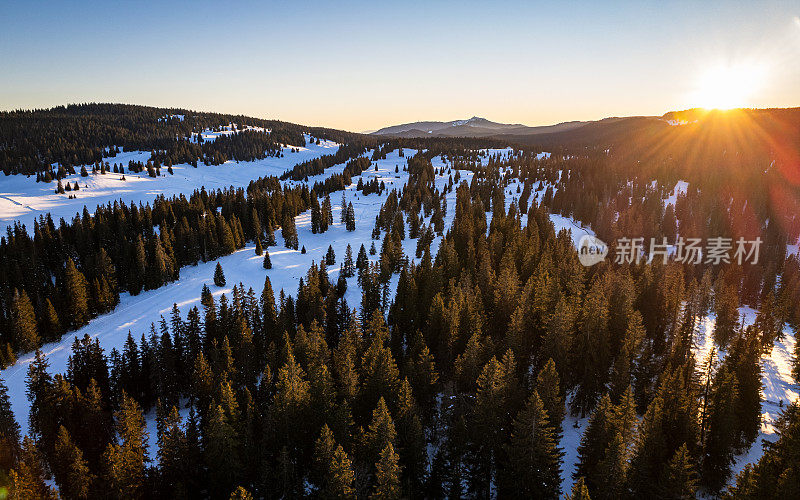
{"x":363,"y":65}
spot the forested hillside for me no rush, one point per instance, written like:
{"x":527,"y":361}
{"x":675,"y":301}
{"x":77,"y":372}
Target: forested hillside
{"x":444,"y":342}
{"x":34,"y":140}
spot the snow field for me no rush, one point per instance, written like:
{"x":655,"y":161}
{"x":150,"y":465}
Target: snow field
{"x":23,"y":199}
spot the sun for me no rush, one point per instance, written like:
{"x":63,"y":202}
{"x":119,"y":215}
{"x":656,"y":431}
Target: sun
{"x":728,"y":86}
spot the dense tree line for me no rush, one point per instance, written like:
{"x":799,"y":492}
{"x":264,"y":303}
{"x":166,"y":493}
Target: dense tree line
{"x":58,"y":279}
{"x":460,"y":383}
{"x":480,"y":354}
{"x":83,"y":134}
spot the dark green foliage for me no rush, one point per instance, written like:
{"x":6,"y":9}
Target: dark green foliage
{"x":25,"y":335}
{"x":775,"y":474}
{"x":719,"y":441}
{"x":9,"y":433}
{"x":267,"y":263}
{"x":533,"y":468}
{"x":472,"y":356}
{"x":330,"y":256}
{"x":219,"y":275}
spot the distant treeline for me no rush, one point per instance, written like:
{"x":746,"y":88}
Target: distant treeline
{"x":81,"y":134}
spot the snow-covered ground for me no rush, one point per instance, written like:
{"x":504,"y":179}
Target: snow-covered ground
{"x":211,"y":135}
{"x":778,"y":387}
{"x":23,"y":199}
{"x":136,"y":313}
{"x":680,"y":188}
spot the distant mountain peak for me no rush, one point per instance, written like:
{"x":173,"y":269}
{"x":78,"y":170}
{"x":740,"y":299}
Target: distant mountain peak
{"x":476,"y":126}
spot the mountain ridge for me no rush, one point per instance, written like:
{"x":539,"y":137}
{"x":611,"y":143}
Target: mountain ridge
{"x":471,"y":127}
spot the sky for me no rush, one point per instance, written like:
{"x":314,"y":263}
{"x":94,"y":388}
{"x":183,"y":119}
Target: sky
{"x":362,"y":65}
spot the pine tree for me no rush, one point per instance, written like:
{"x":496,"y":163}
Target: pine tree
{"x":226,"y":239}
{"x":289,"y":231}
{"x":326,"y":213}
{"x":270,"y":235}
{"x":27,"y":478}
{"x":219,"y":276}
{"x":594,"y":444}
{"x":362,"y":260}
{"x":744,"y":361}
{"x":221,"y":450}
{"x":533,"y":465}
{"x":25,"y":334}
{"x":548,"y":386}
{"x":768,"y":324}
{"x":330,"y":256}
{"x":70,"y":469}
{"x":259,"y":248}
{"x":379,"y":373}
{"x":669,"y":422}
{"x":292,"y":399}
{"x":350,"y":222}
{"x":681,"y":478}
{"x":316,"y":215}
{"x":51,"y":322}
{"x":332,"y":468}
{"x":348,"y":267}
{"x":76,"y":293}
{"x":496,"y":402}
{"x":775,"y":474}
{"x":726,"y":302}
{"x":267,"y":261}
{"x":720,"y":425}
{"x":410,"y":440}
{"x":9,"y":432}
{"x":579,"y":491}
{"x":38,"y":385}
{"x":381,"y":432}
{"x":387,"y":476}
{"x":590,"y":350}
{"x":125,"y":462}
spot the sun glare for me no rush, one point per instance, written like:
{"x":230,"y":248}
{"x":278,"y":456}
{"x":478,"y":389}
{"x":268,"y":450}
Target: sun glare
{"x":727,"y":87}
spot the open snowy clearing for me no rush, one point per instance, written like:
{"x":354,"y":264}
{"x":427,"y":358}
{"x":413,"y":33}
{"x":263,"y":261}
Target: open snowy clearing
{"x":136,"y":313}
{"x":23,"y":199}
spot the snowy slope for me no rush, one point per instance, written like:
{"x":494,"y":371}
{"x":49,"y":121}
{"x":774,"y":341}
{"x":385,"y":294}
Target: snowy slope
{"x":23,"y":199}
{"x":136,"y":313}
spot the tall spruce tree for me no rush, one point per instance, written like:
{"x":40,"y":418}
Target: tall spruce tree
{"x":289,"y":232}
{"x":25,"y":333}
{"x":387,"y":476}
{"x":9,"y":432}
{"x":533,"y":465}
{"x":332,"y":469}
{"x":219,"y":276}
{"x":775,"y":475}
{"x":70,"y":469}
{"x":719,"y":436}
{"x":76,"y":294}
{"x":124,"y":473}
{"x":27,"y":478}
